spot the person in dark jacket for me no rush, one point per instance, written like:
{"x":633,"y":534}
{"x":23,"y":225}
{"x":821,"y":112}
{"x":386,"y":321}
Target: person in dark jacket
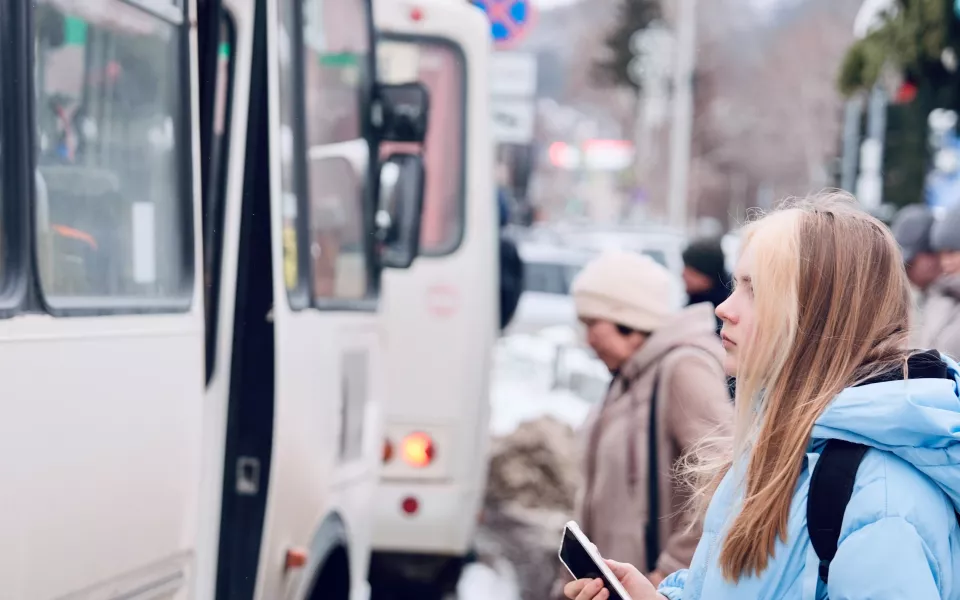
{"x":511,"y":280}
{"x":707,"y":281}
{"x":705,"y":274}
{"x":511,"y":267}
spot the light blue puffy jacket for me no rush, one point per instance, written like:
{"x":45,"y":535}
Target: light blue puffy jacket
{"x":899,"y":539}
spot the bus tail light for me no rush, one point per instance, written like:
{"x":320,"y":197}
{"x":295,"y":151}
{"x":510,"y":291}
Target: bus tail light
{"x":418,"y":450}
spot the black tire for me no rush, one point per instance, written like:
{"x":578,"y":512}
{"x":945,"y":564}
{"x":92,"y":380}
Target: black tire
{"x":333,"y":583}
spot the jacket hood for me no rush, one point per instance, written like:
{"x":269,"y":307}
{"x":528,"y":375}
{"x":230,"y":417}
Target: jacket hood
{"x":693,"y":326}
{"x":917,"y":419}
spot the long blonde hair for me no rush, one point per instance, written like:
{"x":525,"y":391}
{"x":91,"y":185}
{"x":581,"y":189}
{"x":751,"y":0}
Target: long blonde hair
{"x":831,"y":305}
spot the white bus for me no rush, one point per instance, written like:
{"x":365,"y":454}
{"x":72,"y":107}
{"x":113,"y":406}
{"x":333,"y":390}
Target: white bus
{"x":190,"y":281}
{"x":442,"y":314}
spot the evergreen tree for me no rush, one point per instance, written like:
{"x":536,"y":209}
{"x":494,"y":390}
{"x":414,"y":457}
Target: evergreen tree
{"x":912,"y":41}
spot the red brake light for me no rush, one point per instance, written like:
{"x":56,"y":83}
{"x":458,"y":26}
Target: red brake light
{"x":410,"y":505}
{"x":418,"y":450}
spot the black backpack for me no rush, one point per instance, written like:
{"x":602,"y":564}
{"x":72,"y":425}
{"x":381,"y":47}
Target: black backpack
{"x":831,"y":483}
{"x":831,"y":486}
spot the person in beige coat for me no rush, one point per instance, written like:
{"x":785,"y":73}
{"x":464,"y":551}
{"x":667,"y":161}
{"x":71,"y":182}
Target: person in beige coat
{"x":668,"y":393}
{"x":941,"y":311}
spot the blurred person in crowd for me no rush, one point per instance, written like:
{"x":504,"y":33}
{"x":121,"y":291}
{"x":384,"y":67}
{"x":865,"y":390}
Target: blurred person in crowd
{"x":706,"y":280}
{"x":503,"y":206}
{"x":816,"y":330}
{"x":940,"y":318}
{"x":911,"y":228}
{"x":705,"y":274}
{"x":668,"y":392}
{"x":511,"y":269}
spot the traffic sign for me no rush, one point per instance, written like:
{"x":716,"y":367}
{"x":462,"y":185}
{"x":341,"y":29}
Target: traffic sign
{"x":509,"y":19}
{"x":513,"y":74}
{"x":513,"y":120}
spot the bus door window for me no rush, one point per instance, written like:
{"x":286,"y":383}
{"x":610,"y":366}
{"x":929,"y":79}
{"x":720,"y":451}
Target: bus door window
{"x":110,"y":109}
{"x":215,"y":181}
{"x":335,"y":53}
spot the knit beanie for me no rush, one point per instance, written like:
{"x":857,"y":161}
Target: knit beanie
{"x":945,"y":234}
{"x":912,"y":228}
{"x":624,"y":288}
{"x":706,"y":257}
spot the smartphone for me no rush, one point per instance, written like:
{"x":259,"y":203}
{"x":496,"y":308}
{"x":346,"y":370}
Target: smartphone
{"x":582,"y":560}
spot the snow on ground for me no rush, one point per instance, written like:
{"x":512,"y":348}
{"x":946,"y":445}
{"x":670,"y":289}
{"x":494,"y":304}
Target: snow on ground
{"x":543,"y":375}
{"x":516,"y":403}
{"x":534,"y":376}
{"x":481,"y":581}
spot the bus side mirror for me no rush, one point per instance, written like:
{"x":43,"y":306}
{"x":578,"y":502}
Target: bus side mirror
{"x":399,"y":209}
{"x":406,"y":107}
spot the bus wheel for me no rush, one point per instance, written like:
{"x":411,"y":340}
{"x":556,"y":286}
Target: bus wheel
{"x":333,"y":582}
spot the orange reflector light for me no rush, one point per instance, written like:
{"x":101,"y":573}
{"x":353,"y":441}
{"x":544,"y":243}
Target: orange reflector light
{"x":387,"y":451}
{"x":296,"y":559}
{"x":418,"y":449}
{"x":410,"y":505}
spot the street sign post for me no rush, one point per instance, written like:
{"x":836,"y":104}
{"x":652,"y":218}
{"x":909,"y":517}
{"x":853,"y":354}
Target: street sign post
{"x":509,"y":20}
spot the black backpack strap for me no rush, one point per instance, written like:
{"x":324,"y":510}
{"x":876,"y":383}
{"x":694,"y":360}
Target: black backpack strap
{"x":652,"y":533}
{"x":831,"y":486}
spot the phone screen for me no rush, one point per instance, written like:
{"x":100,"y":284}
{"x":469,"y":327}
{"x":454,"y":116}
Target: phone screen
{"x":580,"y":563}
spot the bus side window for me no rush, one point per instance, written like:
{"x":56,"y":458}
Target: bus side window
{"x":110,"y":115}
{"x":3,"y":237}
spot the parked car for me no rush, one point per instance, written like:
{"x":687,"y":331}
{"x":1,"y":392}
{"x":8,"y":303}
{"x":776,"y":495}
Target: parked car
{"x":548,"y":271}
{"x":663,"y":245}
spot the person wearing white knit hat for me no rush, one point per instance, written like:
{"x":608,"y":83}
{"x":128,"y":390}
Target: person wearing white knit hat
{"x":668,"y":392}
{"x":626,"y":289}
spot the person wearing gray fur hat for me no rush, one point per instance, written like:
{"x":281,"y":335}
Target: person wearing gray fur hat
{"x":941,"y":311}
{"x":911,"y":227}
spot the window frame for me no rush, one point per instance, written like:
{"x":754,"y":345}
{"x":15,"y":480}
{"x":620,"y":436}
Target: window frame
{"x":173,"y":11}
{"x":213,"y":199}
{"x":461,"y":203}
{"x":182,"y":300}
{"x":303,"y":298}
{"x":17,"y":284}
{"x":298,"y":298}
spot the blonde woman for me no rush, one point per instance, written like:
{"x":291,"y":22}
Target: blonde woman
{"x":815,"y":332}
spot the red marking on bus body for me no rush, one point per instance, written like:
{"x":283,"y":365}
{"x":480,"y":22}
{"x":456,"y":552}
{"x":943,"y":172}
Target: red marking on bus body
{"x":443,"y":300}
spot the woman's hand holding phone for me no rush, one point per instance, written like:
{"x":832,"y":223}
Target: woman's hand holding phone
{"x":633,"y":581}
